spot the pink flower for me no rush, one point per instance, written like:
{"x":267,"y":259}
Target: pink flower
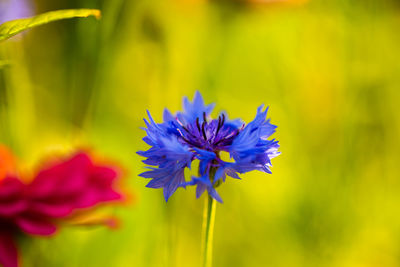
{"x":56,"y":192}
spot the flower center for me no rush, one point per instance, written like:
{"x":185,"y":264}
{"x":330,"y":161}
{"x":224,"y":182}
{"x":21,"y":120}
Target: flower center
{"x":212,"y":135}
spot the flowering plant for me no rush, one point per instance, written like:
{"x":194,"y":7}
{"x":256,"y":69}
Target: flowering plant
{"x":193,"y":134}
{"x":56,"y":192}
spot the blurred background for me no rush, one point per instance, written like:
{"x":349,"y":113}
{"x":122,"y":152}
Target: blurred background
{"x":329,"y":70}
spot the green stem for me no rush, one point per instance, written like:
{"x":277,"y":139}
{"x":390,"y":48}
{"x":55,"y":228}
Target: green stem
{"x":208,"y":229}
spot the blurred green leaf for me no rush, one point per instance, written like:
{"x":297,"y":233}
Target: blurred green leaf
{"x":11,"y":28}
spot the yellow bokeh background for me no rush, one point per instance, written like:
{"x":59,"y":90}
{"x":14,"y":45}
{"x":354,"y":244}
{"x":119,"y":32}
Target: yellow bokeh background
{"x":328,"y":70}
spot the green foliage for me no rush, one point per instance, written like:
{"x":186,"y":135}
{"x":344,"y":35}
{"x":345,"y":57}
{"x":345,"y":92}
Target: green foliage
{"x":11,"y":28}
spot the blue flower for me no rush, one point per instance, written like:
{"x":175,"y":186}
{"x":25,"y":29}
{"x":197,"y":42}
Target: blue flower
{"x":193,"y":135}
{"x":204,"y":183}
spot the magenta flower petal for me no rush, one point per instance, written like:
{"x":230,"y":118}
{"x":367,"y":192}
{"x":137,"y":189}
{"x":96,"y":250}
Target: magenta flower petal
{"x":10,"y":187}
{"x":55,"y":193}
{"x":64,"y":178}
{"x":12,"y":208}
{"x":55,"y":210}
{"x":11,"y":201}
{"x":89,"y":198}
{"x":8,"y":250}
{"x":75,"y":173}
{"x":110,"y":195}
{"x":35,"y":226}
{"x":104,"y":175}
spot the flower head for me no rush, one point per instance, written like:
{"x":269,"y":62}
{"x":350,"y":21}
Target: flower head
{"x":55,"y":193}
{"x":193,"y":135}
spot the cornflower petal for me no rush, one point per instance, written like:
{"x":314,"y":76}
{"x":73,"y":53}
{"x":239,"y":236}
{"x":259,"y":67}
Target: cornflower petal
{"x":203,"y":183}
{"x":194,"y":135}
{"x":195,"y":110}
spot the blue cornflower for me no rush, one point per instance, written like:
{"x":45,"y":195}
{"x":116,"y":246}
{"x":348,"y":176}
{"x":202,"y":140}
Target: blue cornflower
{"x":193,"y":135}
